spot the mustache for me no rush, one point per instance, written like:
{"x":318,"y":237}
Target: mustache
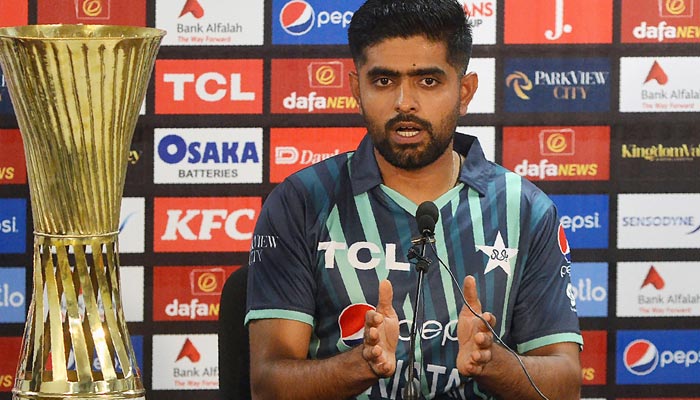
{"x":425,"y":125}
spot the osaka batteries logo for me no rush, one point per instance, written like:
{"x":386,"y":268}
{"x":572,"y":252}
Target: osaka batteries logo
{"x":297,"y":17}
{"x":351,"y":323}
{"x":641,"y":357}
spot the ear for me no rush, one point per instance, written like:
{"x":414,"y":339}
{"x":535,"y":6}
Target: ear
{"x":355,"y":88}
{"x":468,"y":85}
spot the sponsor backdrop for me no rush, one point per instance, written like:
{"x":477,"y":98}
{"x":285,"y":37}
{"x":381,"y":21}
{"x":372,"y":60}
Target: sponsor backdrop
{"x":594,"y":101}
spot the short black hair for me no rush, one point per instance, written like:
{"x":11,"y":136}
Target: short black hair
{"x":438,"y":20}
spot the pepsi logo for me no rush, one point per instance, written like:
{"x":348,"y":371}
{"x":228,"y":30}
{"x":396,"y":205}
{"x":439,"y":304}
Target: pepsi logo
{"x":351,"y":323}
{"x":641,"y":357}
{"x":564,"y":244}
{"x":297,"y":17}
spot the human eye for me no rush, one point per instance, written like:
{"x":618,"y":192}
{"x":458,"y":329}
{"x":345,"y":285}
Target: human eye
{"x":430,"y":81}
{"x":382,"y":81}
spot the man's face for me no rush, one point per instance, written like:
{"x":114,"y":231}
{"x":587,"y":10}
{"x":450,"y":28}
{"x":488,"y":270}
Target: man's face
{"x":411,"y":98}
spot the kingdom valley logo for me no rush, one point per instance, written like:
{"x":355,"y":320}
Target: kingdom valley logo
{"x":655,"y":21}
{"x":124,"y":12}
{"x":661,"y":84}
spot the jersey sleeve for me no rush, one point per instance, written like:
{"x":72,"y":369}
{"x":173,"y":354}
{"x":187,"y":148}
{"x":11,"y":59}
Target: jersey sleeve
{"x":281,"y":282}
{"x":545,"y":312}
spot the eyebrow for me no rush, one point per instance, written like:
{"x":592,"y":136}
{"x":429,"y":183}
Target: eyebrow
{"x":381,"y":71}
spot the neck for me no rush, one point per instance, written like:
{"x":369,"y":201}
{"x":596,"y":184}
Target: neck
{"x":424,"y":184}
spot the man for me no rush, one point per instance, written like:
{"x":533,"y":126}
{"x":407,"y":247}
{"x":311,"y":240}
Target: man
{"x":332,"y":242}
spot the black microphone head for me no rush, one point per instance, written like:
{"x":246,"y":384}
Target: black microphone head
{"x":427,"y":215}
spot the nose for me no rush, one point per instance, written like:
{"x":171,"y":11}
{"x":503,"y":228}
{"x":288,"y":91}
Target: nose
{"x":406,"y":101}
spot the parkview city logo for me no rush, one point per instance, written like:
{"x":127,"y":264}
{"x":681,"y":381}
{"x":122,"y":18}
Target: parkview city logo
{"x":14,"y":12}
{"x":558,"y":21}
{"x":292,"y":149}
{"x":482,"y":18}
{"x":10,"y":348}
{"x":104,"y":12}
{"x":594,"y":364}
{"x":659,"y":289}
{"x":658,"y":357}
{"x":567,"y":85}
{"x":204,"y":224}
{"x":312,"y":86}
{"x":207,"y":155}
{"x":312,"y":22}
{"x":13,"y":170}
{"x":188,"y":293}
{"x":660,"y":21}
{"x":185,"y":362}
{"x":573,"y":153}
{"x":211,"y":22}
{"x":661,"y":84}
{"x":209,"y":86}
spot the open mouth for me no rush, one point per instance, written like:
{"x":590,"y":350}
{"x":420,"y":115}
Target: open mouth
{"x":408,"y":129}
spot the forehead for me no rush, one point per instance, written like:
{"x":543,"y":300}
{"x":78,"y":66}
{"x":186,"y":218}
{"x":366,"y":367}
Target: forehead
{"x":404,"y":54}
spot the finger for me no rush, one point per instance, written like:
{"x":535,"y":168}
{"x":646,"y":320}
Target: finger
{"x":490,"y":318}
{"x":470,"y":294}
{"x":386,"y":296}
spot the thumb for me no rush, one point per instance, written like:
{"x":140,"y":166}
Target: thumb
{"x":471,"y":295}
{"x":386,"y":296}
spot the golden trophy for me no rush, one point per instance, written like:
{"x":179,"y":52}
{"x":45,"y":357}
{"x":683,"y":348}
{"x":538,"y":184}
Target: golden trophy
{"x":77,"y":91}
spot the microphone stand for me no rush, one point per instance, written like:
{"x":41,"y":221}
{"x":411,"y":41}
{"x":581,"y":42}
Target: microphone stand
{"x":412,"y":389}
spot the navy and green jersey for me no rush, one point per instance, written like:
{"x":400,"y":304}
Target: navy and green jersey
{"x":330,"y":233}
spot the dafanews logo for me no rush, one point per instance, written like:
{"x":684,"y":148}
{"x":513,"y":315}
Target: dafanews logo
{"x":204,"y":224}
{"x":103,"y":12}
{"x":658,"y":357}
{"x":10,"y":348}
{"x":658,"y":289}
{"x":13,"y":296}
{"x":571,"y":153}
{"x":12,"y":164}
{"x":482,"y":18}
{"x":185,"y":362}
{"x":564,"y":84}
{"x":594,"y":364}
{"x":659,"y":84}
{"x":558,"y":22}
{"x":292,"y":149}
{"x":13,"y":226}
{"x":312,"y":21}
{"x":188,"y":293}
{"x":312,"y":86}
{"x":590,"y":283}
{"x":208,"y":155}
{"x":209,"y":86}
{"x":660,"y":21}
{"x":585,"y":219}
{"x":211,"y":23}
{"x":658,"y":221}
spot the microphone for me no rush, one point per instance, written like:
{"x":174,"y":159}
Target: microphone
{"x":427,"y":215}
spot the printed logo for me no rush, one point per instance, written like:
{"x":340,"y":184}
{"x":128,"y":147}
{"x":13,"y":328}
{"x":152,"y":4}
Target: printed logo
{"x":10,"y":348}
{"x":13,"y":226}
{"x":185,"y":362}
{"x":486,"y":136}
{"x":658,"y":221}
{"x":662,"y":84}
{"x":292,"y":149}
{"x":499,"y":256}
{"x":569,"y":85}
{"x":208,"y":86}
{"x":208,"y":155}
{"x":14,"y":12}
{"x":658,"y":357}
{"x":594,"y":357}
{"x":351,"y":323}
{"x":558,"y":21}
{"x":482,"y":18}
{"x":211,"y":23}
{"x":12,"y":165}
{"x":204,"y":224}
{"x":188,"y":293}
{"x":312,"y":21}
{"x":564,"y":244}
{"x":590,"y":287}
{"x":641,"y":357}
{"x":585,"y":219}
{"x":131,"y":12}
{"x":660,"y":21}
{"x":13,"y":296}
{"x":661,"y":289}
{"x":573,"y":153}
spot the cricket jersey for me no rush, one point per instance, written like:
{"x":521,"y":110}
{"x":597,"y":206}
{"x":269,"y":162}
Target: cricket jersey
{"x":331,"y":232}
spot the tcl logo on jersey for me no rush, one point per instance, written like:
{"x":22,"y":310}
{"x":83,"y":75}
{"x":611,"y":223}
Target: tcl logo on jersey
{"x":660,"y":21}
{"x":14,"y":12}
{"x":482,"y":18}
{"x":315,"y":86}
{"x":312,"y":21}
{"x":104,"y":12}
{"x":659,"y":84}
{"x":594,"y":364}
{"x":558,"y":21}
{"x":574,"y":153}
{"x":185,"y":362}
{"x":12,"y":164}
{"x":658,"y":357}
{"x":188,"y":293}
{"x":10,"y":348}
{"x":292,"y":149}
{"x":13,"y":225}
{"x":208,"y":155}
{"x":209,"y":86}
{"x":208,"y":224}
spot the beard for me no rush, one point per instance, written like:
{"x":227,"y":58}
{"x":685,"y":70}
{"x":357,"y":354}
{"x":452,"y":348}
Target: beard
{"x":413,"y":156}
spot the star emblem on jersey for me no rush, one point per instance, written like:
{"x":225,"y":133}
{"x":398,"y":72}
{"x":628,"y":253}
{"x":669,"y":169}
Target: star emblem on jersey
{"x":499,"y":255}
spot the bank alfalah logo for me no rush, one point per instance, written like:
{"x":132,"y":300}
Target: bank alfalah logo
{"x":192,"y":7}
{"x":656,"y":73}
